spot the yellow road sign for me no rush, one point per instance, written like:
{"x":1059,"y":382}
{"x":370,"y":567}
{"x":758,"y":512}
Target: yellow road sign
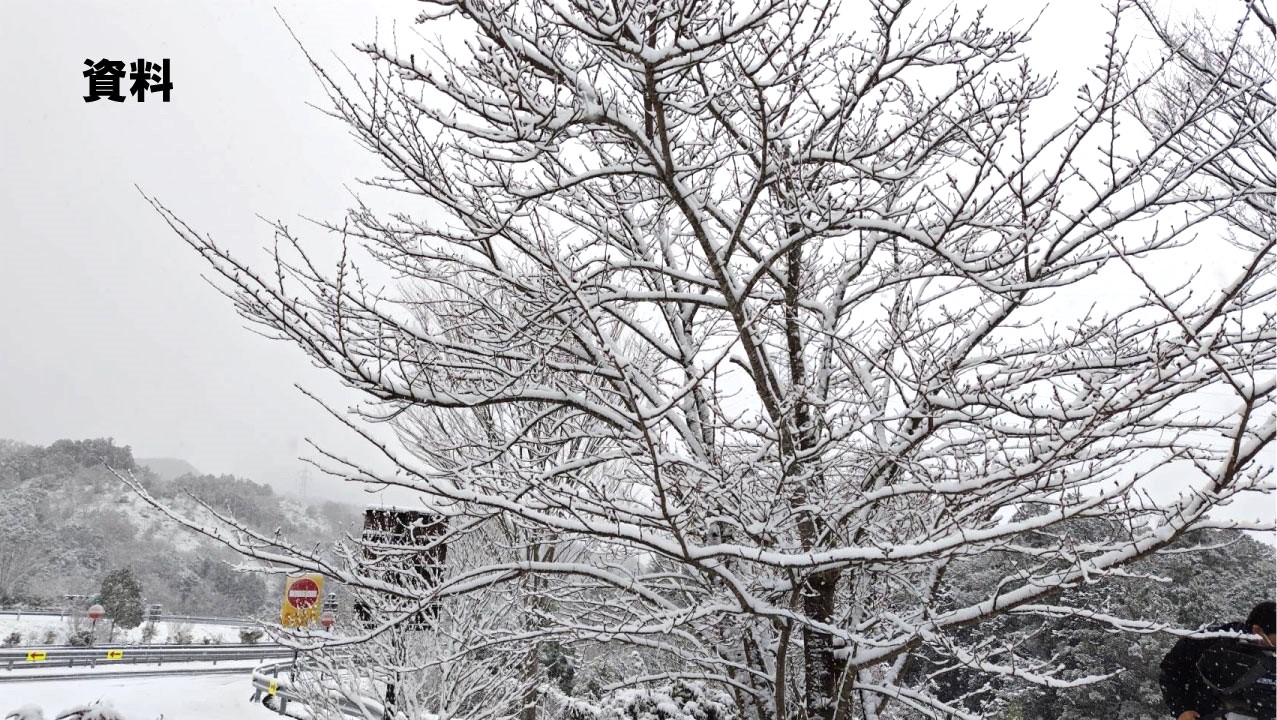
{"x":37,"y":656}
{"x":274,"y":686}
{"x":114,"y":654}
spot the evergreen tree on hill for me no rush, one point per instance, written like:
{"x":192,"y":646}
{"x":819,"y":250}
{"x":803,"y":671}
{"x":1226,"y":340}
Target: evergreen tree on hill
{"x":122,"y":598}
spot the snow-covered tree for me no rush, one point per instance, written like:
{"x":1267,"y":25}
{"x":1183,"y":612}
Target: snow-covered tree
{"x":773,"y":312}
{"x":24,"y":552}
{"x":447,"y":669}
{"x":1242,"y":178}
{"x":680,"y":700}
{"x":122,"y":598}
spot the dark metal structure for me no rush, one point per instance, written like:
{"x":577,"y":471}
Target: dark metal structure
{"x":407,"y":548}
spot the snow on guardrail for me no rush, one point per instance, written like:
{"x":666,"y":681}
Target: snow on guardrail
{"x":276,"y":692}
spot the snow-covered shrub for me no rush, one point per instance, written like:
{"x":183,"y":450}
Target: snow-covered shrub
{"x":50,"y":637}
{"x":180,"y":634}
{"x":26,"y":712}
{"x":80,"y":638}
{"x":94,"y":711}
{"x":559,"y":664}
{"x":250,"y":636}
{"x":14,"y":639}
{"x":148,"y":632}
{"x":683,"y":700}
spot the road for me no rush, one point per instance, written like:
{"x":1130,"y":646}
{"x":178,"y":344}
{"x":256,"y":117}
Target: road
{"x":189,"y":697}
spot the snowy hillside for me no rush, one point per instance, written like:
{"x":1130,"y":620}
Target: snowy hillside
{"x":67,"y":521}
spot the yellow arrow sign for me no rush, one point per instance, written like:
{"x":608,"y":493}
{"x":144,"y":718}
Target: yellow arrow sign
{"x":274,"y":685}
{"x":37,"y":656}
{"x":114,"y":654}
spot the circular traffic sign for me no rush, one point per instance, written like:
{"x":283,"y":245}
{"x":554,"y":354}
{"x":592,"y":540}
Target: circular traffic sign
{"x":327,"y":619}
{"x":302,"y":593}
{"x":96,"y":611}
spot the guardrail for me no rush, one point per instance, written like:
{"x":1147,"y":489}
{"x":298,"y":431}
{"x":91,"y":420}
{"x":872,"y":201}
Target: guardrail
{"x":192,"y":619}
{"x":32,"y":657}
{"x":198,"y":620}
{"x":269,"y":687}
{"x":138,"y":646}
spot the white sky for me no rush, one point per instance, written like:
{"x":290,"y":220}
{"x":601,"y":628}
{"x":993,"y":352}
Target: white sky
{"x":106,"y":327}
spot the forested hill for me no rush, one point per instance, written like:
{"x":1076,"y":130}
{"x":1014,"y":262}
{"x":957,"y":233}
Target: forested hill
{"x":66,"y":522}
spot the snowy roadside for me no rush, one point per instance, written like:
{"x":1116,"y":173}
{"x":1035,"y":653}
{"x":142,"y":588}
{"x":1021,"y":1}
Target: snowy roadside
{"x":33,"y":630}
{"x":213,"y":697}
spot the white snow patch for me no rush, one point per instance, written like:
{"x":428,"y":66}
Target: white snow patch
{"x":208,"y":697}
{"x":34,"y":629}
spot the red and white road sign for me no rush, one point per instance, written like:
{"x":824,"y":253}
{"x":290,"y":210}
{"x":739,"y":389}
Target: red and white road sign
{"x":96,"y":612}
{"x":302,"y":593}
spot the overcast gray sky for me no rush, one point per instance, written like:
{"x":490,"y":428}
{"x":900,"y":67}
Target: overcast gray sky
{"x":106,"y":325}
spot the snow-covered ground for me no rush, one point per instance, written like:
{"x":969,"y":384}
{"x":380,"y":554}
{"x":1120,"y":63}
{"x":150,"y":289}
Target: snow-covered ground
{"x":210,"y":697}
{"x":36,"y":629}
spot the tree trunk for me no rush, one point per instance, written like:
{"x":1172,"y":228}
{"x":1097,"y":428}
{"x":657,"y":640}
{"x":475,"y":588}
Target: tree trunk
{"x":531,"y":691}
{"x":822,"y":668}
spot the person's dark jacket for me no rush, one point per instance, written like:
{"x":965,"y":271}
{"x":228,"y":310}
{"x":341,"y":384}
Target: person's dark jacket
{"x":1182,"y":685}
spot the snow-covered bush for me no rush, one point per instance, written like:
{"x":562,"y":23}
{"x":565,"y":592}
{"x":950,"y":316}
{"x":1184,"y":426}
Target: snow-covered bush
{"x":93,"y":711}
{"x":26,"y":712}
{"x":180,"y":634}
{"x":14,"y":639}
{"x":250,"y":636}
{"x":683,"y":700}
